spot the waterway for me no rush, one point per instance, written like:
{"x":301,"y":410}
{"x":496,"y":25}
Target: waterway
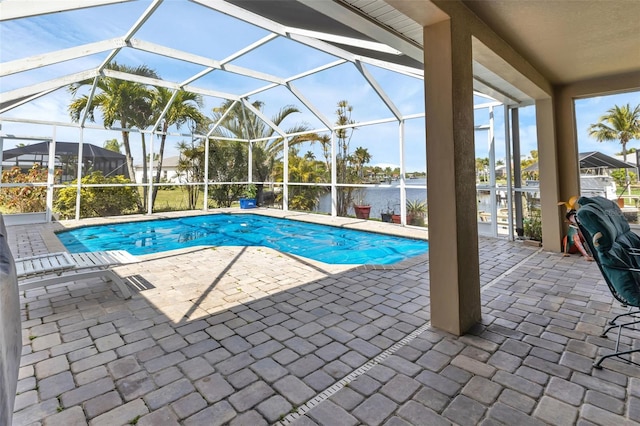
{"x":384,"y":198}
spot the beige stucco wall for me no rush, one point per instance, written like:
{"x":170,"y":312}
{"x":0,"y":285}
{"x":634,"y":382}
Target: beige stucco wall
{"x":566,"y":132}
{"x":450,"y":46}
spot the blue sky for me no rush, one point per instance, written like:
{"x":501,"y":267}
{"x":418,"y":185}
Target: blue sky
{"x":207,"y":33}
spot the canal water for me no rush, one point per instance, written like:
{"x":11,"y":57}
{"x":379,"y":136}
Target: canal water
{"x":381,"y":199}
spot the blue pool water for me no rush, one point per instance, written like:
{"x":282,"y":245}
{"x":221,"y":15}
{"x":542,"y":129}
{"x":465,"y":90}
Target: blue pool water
{"x":327,"y":244}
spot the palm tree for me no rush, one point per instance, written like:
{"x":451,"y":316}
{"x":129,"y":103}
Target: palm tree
{"x":325,"y":142}
{"x":619,"y":123}
{"x":482,"y":168}
{"x":388,"y":171}
{"x":377,"y":171}
{"x":191,"y":165}
{"x":184,"y":108}
{"x":343,"y":157}
{"x":303,"y":170}
{"x":361,"y":157}
{"x":112,"y":145}
{"x":116,"y":100}
{"x":244,"y":124}
{"x":141,"y":118}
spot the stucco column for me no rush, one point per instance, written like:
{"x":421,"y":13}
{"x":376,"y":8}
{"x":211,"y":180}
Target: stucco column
{"x":549,"y":176}
{"x":453,"y":229}
{"x":566,"y":150}
{"x":565,"y":123}
{"x":567,"y":144}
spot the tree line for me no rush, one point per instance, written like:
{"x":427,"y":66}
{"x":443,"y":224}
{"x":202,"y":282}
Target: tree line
{"x":137,"y":106}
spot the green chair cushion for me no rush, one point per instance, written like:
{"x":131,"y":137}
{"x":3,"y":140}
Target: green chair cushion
{"x":612,"y":239}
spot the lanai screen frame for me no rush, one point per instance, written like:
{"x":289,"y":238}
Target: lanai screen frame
{"x":20,"y":96}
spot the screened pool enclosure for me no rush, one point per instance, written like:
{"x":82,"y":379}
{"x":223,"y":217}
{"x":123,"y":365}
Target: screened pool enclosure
{"x":240,"y":70}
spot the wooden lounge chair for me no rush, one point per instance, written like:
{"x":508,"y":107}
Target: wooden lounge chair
{"x":56,"y":268}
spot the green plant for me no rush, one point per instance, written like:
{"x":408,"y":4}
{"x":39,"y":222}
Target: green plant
{"x":97,"y":201}
{"x":250,"y":191}
{"x":302,"y":169}
{"x":533,"y":226}
{"x":345,"y":172}
{"x":416,"y":207}
{"x":620,"y":177}
{"x":27,"y":198}
{"x":416,"y":212}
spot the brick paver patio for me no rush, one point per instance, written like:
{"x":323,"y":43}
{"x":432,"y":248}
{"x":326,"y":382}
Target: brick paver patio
{"x":251,"y":336}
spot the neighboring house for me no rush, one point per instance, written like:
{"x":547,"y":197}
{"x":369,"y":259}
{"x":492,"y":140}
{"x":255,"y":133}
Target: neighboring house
{"x":595,"y":168}
{"x":633,"y":160}
{"x":94,"y":158}
{"x":169,"y":172}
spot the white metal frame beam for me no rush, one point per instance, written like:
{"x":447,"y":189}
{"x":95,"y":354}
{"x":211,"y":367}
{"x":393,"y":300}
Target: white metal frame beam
{"x":46,"y":86}
{"x":7,"y":106}
{"x":211,"y":64}
{"x":242,"y":14}
{"x":392,"y":43}
{"x":16,"y":9}
{"x":378,"y":89}
{"x":294,"y":90}
{"x":348,"y":41}
{"x":134,"y":29}
{"x":127,"y":40}
{"x":43,"y":60}
{"x":365,"y":26}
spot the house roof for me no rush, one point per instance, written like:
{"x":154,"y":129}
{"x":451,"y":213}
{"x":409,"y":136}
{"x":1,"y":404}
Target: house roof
{"x":89,"y":151}
{"x":598,"y":160}
{"x":592,"y":160}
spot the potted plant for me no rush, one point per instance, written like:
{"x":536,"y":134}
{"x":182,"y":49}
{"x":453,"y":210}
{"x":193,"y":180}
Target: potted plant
{"x":248,"y":199}
{"x":533,"y":228}
{"x":360,"y":207}
{"x":416,"y":212}
{"x":387,"y":215}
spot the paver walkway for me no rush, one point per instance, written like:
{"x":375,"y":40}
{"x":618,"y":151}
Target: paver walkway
{"x":250,"y":336}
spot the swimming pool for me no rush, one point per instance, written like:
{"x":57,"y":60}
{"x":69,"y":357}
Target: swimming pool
{"x":324,"y":243}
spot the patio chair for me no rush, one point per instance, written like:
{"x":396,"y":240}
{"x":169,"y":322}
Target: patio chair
{"x":56,"y":268}
{"x":616,"y":250}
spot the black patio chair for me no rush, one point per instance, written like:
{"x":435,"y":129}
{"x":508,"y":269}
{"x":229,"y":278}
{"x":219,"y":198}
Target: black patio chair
{"x":616,"y":250}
